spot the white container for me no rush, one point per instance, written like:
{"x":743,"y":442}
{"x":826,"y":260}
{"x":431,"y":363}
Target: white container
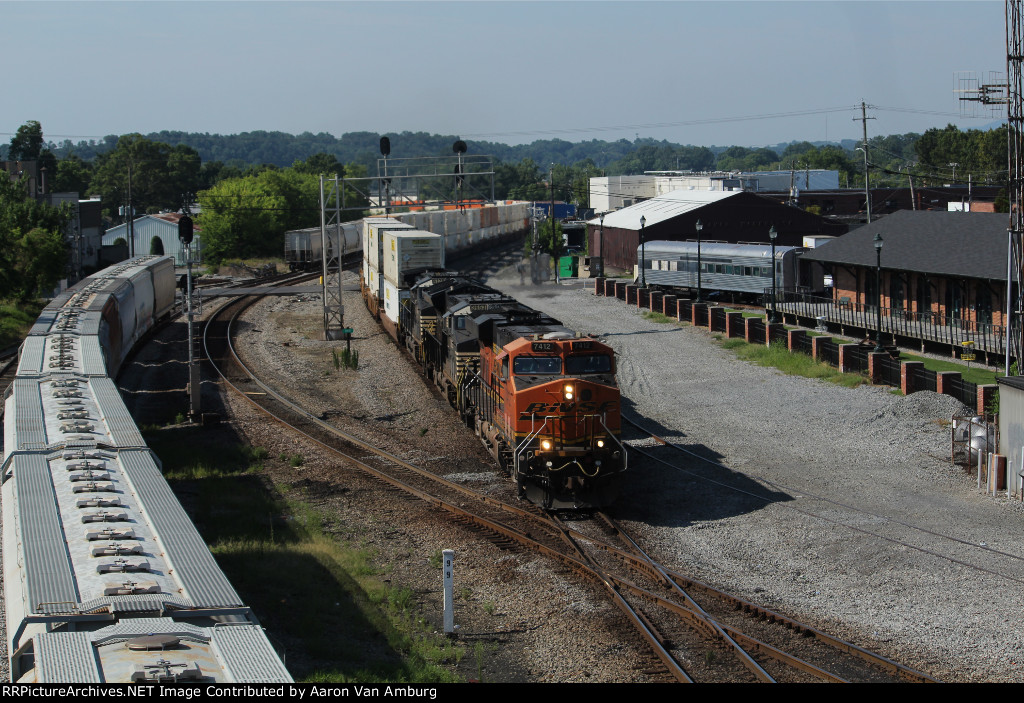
{"x":373,"y":242}
{"x":407,"y":250}
{"x":393,"y":297}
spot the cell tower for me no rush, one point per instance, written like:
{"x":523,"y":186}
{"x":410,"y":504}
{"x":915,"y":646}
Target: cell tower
{"x":978,"y":99}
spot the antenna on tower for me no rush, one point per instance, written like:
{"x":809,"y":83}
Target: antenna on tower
{"x":981,"y":98}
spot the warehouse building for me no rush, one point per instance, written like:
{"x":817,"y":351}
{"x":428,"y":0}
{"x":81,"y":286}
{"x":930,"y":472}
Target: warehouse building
{"x":725,"y":216}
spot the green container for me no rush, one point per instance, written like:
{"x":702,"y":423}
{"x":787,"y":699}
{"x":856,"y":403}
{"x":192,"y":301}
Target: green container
{"x":568,"y":267}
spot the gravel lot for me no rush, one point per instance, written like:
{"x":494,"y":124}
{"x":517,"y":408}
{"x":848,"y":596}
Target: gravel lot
{"x":867,"y":529}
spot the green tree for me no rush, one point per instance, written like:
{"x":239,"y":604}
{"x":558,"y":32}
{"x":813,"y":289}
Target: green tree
{"x":27,"y":142}
{"x":33,"y":253}
{"x":322,"y":163}
{"x":548,"y":243}
{"x":73,"y":175}
{"x":161,"y":176}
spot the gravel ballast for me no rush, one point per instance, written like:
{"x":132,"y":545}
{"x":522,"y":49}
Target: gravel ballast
{"x":867,"y":529}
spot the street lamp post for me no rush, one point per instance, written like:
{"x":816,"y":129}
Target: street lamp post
{"x":601,"y":269}
{"x":700,"y":226}
{"x":643,"y":257}
{"x":774,"y":317}
{"x":878,"y":288}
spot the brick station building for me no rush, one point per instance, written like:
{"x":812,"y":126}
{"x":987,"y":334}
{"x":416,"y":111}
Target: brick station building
{"x":946,"y":267}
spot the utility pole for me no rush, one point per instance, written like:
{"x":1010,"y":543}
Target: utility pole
{"x":867,"y":185}
{"x":551,"y":218}
{"x":131,"y":217}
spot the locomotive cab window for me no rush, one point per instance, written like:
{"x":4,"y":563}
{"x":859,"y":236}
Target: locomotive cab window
{"x":504,"y":369}
{"x":589,"y":363}
{"x":534,"y":365}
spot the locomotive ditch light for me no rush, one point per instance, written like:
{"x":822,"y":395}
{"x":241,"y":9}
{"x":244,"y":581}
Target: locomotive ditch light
{"x":545,"y":444}
{"x":600,"y":444}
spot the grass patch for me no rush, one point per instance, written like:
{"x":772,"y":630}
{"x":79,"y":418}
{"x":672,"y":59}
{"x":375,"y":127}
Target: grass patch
{"x":791,"y":363}
{"x":16,"y":318}
{"x":321,"y":597}
{"x":658,"y":317}
{"x":976,"y":374}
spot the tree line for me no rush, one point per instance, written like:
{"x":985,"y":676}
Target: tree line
{"x":254,"y":186}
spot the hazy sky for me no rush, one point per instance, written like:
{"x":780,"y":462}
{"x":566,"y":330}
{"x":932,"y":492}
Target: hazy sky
{"x":748,"y":73}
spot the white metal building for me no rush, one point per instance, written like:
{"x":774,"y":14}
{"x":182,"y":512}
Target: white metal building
{"x":163,"y":227}
{"x":613,"y":192}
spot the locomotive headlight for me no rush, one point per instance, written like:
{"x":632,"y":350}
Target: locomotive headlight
{"x":568,"y":390}
{"x":545,"y":444}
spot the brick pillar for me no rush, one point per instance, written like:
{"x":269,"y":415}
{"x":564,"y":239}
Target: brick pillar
{"x":599,"y":285}
{"x":794,"y":338}
{"x":816,"y":343}
{"x":987,"y":395}
{"x":668,"y":305}
{"x":843,"y":349}
{"x":655,"y":302}
{"x":944,"y":381}
{"x":907,"y":371}
{"x":631,"y":294}
{"x":643,"y":296}
{"x":734,"y":324}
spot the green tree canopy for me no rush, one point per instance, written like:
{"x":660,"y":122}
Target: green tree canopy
{"x":33,"y":254}
{"x":27,"y":142}
{"x":161,"y":176}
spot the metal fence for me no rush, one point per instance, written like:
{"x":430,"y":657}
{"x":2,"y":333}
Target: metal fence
{"x":829,"y":353}
{"x":856,"y":359}
{"x":718,"y":315}
{"x":964,"y":391}
{"x":925,"y":380}
{"x":896,"y":322}
{"x":890,"y":371}
{"x":756,"y":327}
{"x":805,"y":344}
{"x":700,"y":317}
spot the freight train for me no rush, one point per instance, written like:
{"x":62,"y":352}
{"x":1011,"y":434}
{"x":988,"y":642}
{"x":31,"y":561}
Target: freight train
{"x":740,"y":272}
{"x":543,"y":399}
{"x":462,"y":231}
{"x":105,"y":578}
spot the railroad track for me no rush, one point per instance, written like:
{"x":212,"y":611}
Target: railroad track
{"x":693,"y":629}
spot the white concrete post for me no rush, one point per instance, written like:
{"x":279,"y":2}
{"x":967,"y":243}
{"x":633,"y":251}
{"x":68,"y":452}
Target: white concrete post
{"x":448,"y":558}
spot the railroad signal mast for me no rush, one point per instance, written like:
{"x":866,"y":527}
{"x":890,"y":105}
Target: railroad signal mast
{"x":978,"y":98}
{"x":448,"y":180}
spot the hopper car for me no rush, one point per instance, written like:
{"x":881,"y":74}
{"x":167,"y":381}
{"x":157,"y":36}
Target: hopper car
{"x":106,"y":580}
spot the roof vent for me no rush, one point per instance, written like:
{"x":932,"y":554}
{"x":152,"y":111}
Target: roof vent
{"x":150,"y":642}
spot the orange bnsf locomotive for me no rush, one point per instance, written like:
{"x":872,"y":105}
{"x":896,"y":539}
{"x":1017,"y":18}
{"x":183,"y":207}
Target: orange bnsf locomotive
{"x":543,"y":399}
